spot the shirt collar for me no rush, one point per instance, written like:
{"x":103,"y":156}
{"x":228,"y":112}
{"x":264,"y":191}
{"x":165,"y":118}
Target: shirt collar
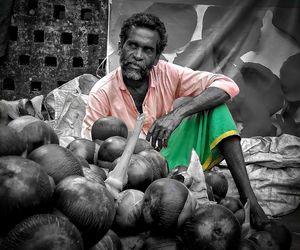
{"x":120,"y":81}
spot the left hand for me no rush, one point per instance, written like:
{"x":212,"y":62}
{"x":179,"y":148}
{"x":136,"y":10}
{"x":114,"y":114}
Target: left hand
{"x":161,"y":130}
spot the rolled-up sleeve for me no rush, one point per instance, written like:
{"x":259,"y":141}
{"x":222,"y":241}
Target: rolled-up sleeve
{"x":227,"y":84}
{"x":193,"y":83}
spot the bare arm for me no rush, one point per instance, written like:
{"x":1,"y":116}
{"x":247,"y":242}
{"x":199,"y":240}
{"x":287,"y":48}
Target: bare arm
{"x":163,"y":127}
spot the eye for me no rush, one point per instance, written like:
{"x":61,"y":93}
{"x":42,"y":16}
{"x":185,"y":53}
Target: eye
{"x":132,"y":45}
{"x":148,"y":50}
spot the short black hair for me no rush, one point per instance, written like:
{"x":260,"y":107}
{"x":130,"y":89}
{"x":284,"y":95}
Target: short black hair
{"x":146,"y":20}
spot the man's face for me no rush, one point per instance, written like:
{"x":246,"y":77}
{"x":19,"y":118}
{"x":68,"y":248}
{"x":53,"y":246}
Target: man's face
{"x":138,"y":54}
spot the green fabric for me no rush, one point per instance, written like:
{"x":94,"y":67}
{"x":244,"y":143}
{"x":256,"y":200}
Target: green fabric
{"x":202,"y":131}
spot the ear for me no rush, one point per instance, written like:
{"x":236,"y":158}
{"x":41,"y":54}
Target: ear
{"x":119,"y":48}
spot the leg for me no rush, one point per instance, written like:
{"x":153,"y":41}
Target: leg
{"x":231,"y":149}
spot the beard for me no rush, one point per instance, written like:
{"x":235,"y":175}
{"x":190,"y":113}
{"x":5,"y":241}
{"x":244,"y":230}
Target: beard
{"x":132,"y":69}
{"x":133,"y":74}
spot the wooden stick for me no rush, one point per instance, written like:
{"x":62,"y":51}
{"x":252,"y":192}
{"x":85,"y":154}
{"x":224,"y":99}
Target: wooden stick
{"x":117,"y":178}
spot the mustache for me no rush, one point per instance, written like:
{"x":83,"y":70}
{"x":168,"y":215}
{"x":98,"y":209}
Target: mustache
{"x":138,"y":64}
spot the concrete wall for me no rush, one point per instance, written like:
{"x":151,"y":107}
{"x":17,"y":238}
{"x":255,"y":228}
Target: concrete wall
{"x":50,"y":43}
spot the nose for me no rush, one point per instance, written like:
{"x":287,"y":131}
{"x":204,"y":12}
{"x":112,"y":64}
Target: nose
{"x":138,"y":54}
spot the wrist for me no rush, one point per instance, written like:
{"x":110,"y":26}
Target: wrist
{"x":179,"y":112}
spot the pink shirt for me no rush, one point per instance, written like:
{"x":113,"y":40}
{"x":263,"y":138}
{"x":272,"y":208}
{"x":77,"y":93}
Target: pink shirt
{"x":167,"y":82}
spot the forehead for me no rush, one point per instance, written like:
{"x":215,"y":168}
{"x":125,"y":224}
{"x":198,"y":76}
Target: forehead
{"x":143,"y":35}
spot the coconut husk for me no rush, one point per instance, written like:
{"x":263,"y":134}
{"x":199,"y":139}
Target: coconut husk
{"x":86,"y":82}
{"x":12,"y":108}
{"x":4,"y":120}
{"x":37,"y":103}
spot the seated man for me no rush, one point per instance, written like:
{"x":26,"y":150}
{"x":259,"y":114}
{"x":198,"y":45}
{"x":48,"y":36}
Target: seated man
{"x":145,"y":84}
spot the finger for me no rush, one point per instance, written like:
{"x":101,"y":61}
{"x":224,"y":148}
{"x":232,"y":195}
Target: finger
{"x":160,"y":139}
{"x":166,"y":137}
{"x":149,"y":134}
{"x":154,"y":137}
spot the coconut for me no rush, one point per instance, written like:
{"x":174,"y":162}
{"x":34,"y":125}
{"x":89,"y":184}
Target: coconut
{"x":211,"y":227}
{"x":111,"y":148}
{"x":84,"y":148}
{"x":140,"y":173}
{"x":106,"y":127}
{"x":92,"y":175}
{"x":218,"y":183}
{"x":264,"y":240}
{"x":161,"y":243}
{"x":38,"y":133}
{"x":25,"y":189}
{"x":20,"y":122}
{"x":166,"y":205}
{"x":128,"y":218}
{"x":88,"y":205}
{"x":110,"y":241}
{"x":43,"y":231}
{"x":11,"y":142}
{"x":142,"y":144}
{"x":281,"y":234}
{"x":59,"y":162}
{"x":235,"y":206}
{"x":157,"y":162}
{"x":180,"y":173}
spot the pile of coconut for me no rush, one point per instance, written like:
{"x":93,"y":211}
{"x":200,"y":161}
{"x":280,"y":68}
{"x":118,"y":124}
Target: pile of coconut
{"x":114,"y":191}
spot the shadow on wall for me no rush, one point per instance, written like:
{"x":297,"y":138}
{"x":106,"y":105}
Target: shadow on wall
{"x":290,"y":75}
{"x":263,"y":107}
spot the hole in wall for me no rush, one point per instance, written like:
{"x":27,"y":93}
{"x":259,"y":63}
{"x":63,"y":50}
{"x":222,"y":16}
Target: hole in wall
{"x":77,"y":62}
{"x":59,"y":83}
{"x":38,"y":36}
{"x":92,"y":39}
{"x":50,"y":61}
{"x":86,"y":14}
{"x":13,"y":33}
{"x":35,"y":86}
{"x":66,"y":38}
{"x":8,"y":84}
{"x":24,"y":59}
{"x":32,"y":6}
{"x":59,"y":12}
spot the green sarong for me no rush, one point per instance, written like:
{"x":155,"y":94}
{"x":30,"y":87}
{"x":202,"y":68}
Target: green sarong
{"x":201,"y":132}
